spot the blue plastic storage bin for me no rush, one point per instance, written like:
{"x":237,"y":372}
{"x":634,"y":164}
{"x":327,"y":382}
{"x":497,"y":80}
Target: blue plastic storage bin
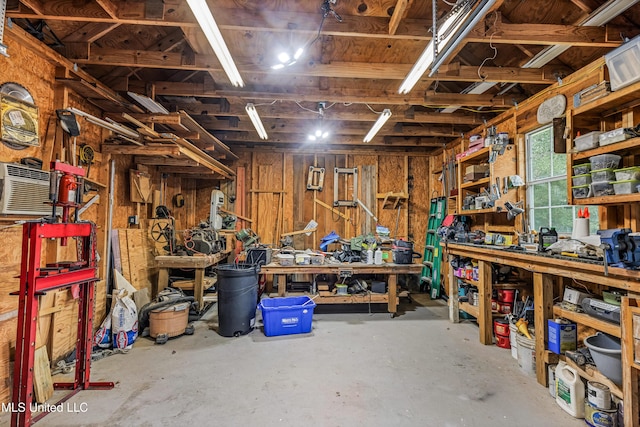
{"x":287,"y":315}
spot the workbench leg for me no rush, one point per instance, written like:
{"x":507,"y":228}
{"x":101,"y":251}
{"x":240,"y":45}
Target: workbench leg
{"x":543,"y":298}
{"x":281,"y":280}
{"x":629,"y":375}
{"x":454,"y":303}
{"x":485,"y":318}
{"x":393,"y":294}
{"x":163,"y":281}
{"x":198,"y":288}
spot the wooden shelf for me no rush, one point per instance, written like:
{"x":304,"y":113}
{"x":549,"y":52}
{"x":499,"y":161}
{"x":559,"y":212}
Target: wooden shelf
{"x":467,"y":281}
{"x":585,"y":319}
{"x":616,"y":101}
{"x":608,"y":200}
{"x":478,"y":183}
{"x":592,"y":374}
{"x":473,"y":310}
{"x":474,"y":156}
{"x":622,"y":146}
{"x":477,"y":211}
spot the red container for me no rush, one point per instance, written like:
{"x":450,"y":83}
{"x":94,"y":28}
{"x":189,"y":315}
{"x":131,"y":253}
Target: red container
{"x":494,"y":305}
{"x":501,"y":327}
{"x":503,"y":342}
{"x":506,"y":295}
{"x":505,"y":307}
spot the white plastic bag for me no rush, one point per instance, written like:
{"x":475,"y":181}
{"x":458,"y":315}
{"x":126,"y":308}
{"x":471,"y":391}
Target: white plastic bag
{"x":102,"y":337}
{"x":124,"y":321}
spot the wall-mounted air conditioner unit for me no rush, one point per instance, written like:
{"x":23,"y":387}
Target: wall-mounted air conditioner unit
{"x":23,"y":190}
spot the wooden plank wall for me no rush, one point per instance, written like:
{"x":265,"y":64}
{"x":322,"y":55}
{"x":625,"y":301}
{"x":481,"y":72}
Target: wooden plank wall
{"x":281,"y":171}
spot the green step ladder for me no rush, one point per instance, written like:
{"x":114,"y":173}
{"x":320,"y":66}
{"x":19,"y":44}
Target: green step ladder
{"x":432,"y":254}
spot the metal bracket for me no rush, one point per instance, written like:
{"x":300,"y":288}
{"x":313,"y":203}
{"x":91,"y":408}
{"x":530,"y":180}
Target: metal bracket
{"x":315,"y":181}
{"x":336,"y":185}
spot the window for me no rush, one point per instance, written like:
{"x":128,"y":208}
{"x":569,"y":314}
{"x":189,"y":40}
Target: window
{"x":547,"y":186}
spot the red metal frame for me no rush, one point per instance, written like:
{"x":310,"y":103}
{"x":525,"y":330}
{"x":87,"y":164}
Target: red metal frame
{"x":34,"y":282}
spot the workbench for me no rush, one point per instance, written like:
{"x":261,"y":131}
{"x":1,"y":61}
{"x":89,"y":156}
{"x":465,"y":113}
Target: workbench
{"x":279,"y":273}
{"x":547,"y":272}
{"x":197,"y":263}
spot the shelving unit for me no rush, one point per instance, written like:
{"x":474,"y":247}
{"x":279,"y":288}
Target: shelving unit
{"x":617,"y":110}
{"x":501,"y":166}
{"x":630,"y":366}
{"x":585,"y":319}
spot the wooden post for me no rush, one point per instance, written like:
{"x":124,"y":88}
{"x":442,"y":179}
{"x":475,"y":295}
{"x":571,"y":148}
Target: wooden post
{"x":484,"y":290}
{"x":543,"y":298}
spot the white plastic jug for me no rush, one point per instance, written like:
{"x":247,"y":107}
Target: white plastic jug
{"x":569,"y":390}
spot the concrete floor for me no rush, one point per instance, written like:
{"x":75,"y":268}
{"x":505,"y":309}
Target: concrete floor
{"x":354,"y":369}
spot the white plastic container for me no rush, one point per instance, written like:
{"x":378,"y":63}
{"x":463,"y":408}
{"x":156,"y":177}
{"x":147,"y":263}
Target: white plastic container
{"x":285,"y":259}
{"x":513,"y":334}
{"x":369,"y":256}
{"x":377,"y":257}
{"x":587,"y":141}
{"x":526,"y":355}
{"x":551,"y":371}
{"x":569,"y":390}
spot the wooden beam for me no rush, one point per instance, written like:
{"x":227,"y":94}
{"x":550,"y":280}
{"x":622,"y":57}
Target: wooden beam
{"x":109,"y":7}
{"x":399,"y":12}
{"x":338,"y":127}
{"x":289,"y":110}
{"x":146,"y":150}
{"x":189,"y":170}
{"x":242,"y":20}
{"x":164,"y":161}
{"x":340,"y":95}
{"x":90,"y":32}
{"x":197,"y":155}
{"x":290,"y":138}
{"x":353,"y":70}
{"x":36,"y":5}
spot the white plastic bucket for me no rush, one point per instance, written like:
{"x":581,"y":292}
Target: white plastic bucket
{"x":513,"y":333}
{"x":526,"y":355}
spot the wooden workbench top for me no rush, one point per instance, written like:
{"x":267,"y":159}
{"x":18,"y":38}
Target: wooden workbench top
{"x":557,"y":265}
{"x":356,"y":267}
{"x":185,"y":261}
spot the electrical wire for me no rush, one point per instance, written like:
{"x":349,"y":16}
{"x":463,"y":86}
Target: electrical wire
{"x":495,"y":50}
{"x":374,"y":111}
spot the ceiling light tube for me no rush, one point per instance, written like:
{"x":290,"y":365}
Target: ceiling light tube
{"x":382,"y":119}
{"x":461,"y":31}
{"x":255,"y":119}
{"x":208,"y":25}
{"x":428,"y":55}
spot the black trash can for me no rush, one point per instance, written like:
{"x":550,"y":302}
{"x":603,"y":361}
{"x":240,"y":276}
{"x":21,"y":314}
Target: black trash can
{"x":237,"y":298}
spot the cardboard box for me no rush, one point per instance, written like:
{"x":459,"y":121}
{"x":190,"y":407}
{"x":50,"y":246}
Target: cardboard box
{"x":636,"y":326}
{"x":473,"y":176}
{"x":562,"y":336}
{"x":636,"y":349}
{"x":475,"y":169}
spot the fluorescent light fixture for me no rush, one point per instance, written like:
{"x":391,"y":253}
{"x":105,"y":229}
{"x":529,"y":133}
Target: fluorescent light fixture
{"x":382,"y":119}
{"x":600,"y":16}
{"x":473,"y":89}
{"x":459,"y":30}
{"x":418,"y":69}
{"x":208,"y":25}
{"x":255,"y":119}
{"x":458,"y":23}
